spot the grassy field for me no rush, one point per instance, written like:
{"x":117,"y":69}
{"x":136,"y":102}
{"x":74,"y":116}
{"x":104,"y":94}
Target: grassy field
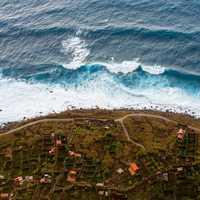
{"x":94,"y":146}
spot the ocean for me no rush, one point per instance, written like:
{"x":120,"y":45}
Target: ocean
{"x":66,"y":54}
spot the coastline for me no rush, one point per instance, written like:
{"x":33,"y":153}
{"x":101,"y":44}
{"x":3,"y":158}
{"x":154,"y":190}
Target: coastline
{"x":140,"y":137}
{"x":182,"y":118}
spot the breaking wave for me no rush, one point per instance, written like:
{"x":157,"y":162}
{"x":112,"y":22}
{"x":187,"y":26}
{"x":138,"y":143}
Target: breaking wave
{"x":77,"y":48}
{"x":60,"y":68}
{"x":54,"y":88}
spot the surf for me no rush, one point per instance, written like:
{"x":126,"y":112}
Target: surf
{"x":55,"y":88}
{"x":83,"y":82}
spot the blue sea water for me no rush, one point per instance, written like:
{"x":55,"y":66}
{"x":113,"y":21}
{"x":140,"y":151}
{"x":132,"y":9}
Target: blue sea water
{"x":57,"y":55}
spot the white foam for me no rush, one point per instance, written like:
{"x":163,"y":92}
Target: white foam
{"x":20,"y":99}
{"x":78,"y":50}
{"x":130,"y":66}
{"x":153,"y":69}
{"x":123,"y":67}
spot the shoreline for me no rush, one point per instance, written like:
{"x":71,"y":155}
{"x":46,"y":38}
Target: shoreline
{"x":183,"y":118}
{"x":19,"y":96}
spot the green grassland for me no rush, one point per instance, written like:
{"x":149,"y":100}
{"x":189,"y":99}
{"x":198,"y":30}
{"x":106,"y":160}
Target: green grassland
{"x":168,"y":169}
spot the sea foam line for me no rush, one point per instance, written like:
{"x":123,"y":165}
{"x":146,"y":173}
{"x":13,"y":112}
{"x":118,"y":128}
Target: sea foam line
{"x":20,"y":99}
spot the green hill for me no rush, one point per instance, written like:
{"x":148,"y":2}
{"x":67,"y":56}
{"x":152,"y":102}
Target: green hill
{"x":99,"y":154}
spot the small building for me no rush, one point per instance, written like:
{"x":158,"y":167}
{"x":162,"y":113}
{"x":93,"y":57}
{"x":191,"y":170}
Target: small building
{"x":29,"y":179}
{"x":181,"y":134}
{"x":133,"y":168}
{"x":58,"y":142}
{"x":179,"y":169}
{"x":159,"y":175}
{"x":74,"y":154}
{"x":52,"y":151}
{"x":107,"y":127}
{"x":100,"y":185}
{"x":2,"y":177}
{"x":46,"y":179}
{"x":53,"y":135}
{"x":72,"y":176}
{"x":19,"y":180}
{"x":120,"y":171}
{"x":6,"y":196}
{"x":165,"y":176}
{"x":101,"y":193}
{"x":106,"y":193}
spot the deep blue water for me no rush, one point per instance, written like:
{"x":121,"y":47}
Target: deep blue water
{"x":126,"y":48}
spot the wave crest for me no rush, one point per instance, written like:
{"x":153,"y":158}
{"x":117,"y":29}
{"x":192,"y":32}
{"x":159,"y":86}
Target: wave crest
{"x":16,"y":98}
{"x":78,"y":50}
{"x":126,"y":67}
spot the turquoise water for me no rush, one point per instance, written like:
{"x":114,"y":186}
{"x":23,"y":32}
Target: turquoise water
{"x":111,"y":54}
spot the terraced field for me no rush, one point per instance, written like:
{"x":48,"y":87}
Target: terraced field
{"x":114,"y":155}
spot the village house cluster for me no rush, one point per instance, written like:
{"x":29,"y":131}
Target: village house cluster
{"x":57,"y":147}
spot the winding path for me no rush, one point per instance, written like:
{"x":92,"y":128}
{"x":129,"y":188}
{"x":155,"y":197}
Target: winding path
{"x":120,"y":120}
{"x":47,"y":120}
{"x":34,"y":123}
{"x":156,"y":117}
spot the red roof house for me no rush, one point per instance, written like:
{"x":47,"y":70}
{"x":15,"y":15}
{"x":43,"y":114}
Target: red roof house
{"x":72,"y":176}
{"x":133,"y":168}
{"x":181,"y":134}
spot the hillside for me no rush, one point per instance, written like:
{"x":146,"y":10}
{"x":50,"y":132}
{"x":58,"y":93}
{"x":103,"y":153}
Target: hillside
{"x":99,"y":154}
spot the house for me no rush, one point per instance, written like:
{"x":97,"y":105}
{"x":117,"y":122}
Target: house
{"x":100,"y":185}
{"x":59,"y":139}
{"x":106,"y":193}
{"x":181,"y":134}
{"x":53,"y":135}
{"x":2,"y":177}
{"x":52,"y":151}
{"x":106,"y":127}
{"x":181,"y":131}
{"x":58,"y":142}
{"x":29,"y":179}
{"x":19,"y":180}
{"x":101,"y":193}
{"x":165,"y":176}
{"x":74,"y":154}
{"x":179,"y":169}
{"x":46,"y":179}
{"x":6,"y":196}
{"x":133,"y":168}
{"x":120,"y":171}
{"x":158,"y":175}
{"x":72,"y":176}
